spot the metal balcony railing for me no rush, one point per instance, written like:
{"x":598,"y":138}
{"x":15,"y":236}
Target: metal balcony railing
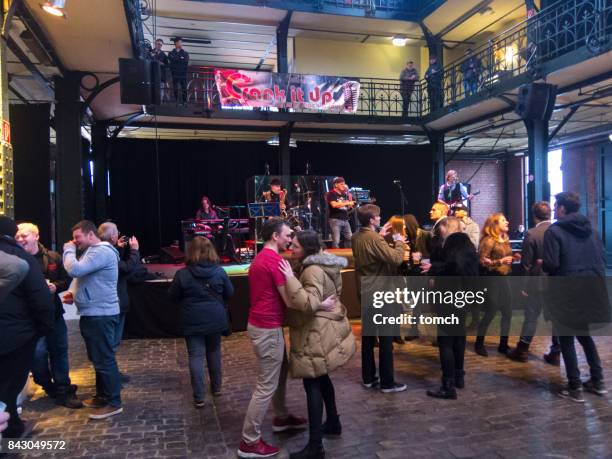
{"x":565,"y":26}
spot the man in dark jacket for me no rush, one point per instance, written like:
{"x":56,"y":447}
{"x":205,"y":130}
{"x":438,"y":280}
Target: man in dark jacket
{"x":433,"y":76}
{"x":26,"y":314}
{"x":129,"y":260}
{"x":572,"y":249}
{"x":51,"y":366}
{"x":179,"y":60}
{"x":471,"y":68}
{"x":533,"y":248}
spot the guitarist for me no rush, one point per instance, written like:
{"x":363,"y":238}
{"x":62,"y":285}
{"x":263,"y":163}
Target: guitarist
{"x":453,"y":191}
{"x":340,"y":202}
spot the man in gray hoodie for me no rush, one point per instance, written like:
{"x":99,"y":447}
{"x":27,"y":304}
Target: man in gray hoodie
{"x":95,"y":296}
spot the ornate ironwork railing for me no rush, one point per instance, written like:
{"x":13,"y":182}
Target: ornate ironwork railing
{"x":377,"y":97}
{"x":565,"y":26}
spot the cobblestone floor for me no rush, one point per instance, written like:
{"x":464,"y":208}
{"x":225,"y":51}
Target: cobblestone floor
{"x":507,"y":409}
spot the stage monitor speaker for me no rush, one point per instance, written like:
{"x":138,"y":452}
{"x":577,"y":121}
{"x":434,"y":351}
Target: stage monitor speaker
{"x":139,"y":81}
{"x":171,"y":255}
{"x":536,"y":101}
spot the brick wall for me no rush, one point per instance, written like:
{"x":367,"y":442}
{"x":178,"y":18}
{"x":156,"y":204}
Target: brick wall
{"x":580,"y":170}
{"x":489,"y":180}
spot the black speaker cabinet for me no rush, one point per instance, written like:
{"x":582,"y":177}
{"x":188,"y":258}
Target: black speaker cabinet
{"x":139,"y":81}
{"x":536,"y":101}
{"x":171,"y":255}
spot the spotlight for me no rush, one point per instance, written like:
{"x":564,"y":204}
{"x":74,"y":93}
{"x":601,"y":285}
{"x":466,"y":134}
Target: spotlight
{"x":54,"y":7}
{"x":610,"y":137}
{"x":399,"y":41}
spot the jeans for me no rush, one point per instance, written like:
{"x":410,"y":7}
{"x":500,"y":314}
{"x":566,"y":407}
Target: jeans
{"x":15,"y":367}
{"x":532,"y":312}
{"x":319,"y":392}
{"x":119,"y":330}
{"x":198,"y":347}
{"x":99,"y":333}
{"x":499,"y":299}
{"x":571,"y":360}
{"x":340,"y":227}
{"x":179,"y":86}
{"x":406,"y":96}
{"x":435,"y":97}
{"x":470,"y":87}
{"x":51,"y":368}
{"x":451,"y":346}
{"x":385,"y":360}
{"x":269,"y":346}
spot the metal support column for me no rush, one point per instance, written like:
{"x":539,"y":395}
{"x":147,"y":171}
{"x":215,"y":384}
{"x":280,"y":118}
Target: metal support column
{"x":284,"y":138}
{"x":538,"y":188}
{"x":436,"y":140}
{"x":282,"y":33}
{"x":69,"y":186}
{"x":99,"y":144}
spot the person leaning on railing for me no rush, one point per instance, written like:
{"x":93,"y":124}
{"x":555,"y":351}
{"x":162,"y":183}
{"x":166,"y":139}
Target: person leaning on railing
{"x":471,"y":68}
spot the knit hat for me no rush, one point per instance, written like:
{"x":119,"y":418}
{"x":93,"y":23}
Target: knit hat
{"x":8,"y":227}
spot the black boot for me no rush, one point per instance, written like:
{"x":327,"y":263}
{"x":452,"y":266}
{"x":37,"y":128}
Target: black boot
{"x":521,"y":353}
{"x":310,"y":451}
{"x":479,"y":347}
{"x":503,"y":347}
{"x":332,"y":426}
{"x":446,"y":391}
{"x":459,"y":379}
{"x":66,"y":397}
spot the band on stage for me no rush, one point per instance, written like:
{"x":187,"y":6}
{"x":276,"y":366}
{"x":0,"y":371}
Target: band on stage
{"x":339,"y":204}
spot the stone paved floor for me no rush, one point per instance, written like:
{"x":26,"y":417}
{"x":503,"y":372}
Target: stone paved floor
{"x":507,"y":409}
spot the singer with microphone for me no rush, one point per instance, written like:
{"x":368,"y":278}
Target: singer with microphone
{"x":206,"y":211}
{"x":340,"y":202}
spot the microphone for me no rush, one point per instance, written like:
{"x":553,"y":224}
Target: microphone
{"x":397,"y":182}
{"x":267,"y":169}
{"x":307,"y":168}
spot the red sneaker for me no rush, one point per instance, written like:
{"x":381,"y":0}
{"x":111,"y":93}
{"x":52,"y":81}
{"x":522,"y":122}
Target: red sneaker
{"x":258,"y":449}
{"x":289,"y":423}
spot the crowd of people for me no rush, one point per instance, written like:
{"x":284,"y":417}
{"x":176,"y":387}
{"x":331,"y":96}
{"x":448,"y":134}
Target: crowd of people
{"x":303,"y":295}
{"x":93,"y":273}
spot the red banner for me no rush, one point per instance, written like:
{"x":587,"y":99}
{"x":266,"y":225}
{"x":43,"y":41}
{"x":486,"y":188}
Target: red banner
{"x":243,"y":88}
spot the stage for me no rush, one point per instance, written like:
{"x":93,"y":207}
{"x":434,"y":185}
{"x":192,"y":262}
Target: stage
{"x":153,"y":315}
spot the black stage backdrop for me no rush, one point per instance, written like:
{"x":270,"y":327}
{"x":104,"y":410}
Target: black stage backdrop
{"x":189,"y":169}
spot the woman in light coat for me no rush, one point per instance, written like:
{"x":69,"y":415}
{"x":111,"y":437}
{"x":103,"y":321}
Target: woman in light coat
{"x":321,"y":340}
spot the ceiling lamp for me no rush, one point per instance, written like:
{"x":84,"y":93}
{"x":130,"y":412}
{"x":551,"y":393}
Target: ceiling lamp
{"x":399,"y":41}
{"x":54,"y":7}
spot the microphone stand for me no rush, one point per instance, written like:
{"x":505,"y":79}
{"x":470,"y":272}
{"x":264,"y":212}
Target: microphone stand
{"x":403,"y":198}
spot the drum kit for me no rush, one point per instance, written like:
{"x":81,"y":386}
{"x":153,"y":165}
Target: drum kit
{"x":299,"y":217}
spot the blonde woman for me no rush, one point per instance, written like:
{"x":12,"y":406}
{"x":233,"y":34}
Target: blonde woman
{"x":496,"y":258}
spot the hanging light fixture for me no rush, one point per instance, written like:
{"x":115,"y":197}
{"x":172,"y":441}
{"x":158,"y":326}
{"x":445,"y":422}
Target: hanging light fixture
{"x":54,"y":7}
{"x":399,"y":41}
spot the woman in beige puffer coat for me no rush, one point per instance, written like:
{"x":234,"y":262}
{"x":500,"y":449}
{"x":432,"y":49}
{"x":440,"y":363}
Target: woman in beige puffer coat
{"x":321,"y":340}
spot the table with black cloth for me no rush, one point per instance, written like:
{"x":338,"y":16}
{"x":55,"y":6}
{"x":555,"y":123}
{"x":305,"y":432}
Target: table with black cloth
{"x":153,"y":314}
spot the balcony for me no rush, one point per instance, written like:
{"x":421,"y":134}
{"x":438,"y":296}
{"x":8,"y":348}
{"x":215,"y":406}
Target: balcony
{"x":566,"y":33}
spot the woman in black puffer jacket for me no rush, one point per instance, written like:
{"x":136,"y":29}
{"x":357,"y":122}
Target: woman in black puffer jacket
{"x":202,"y":288}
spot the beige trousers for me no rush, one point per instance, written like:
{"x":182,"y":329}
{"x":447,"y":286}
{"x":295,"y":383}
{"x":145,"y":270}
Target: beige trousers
{"x":269,"y":345}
